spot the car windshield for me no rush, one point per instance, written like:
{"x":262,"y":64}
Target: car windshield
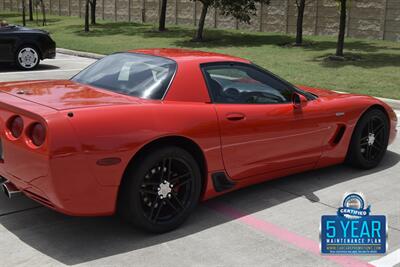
{"x":131,"y":74}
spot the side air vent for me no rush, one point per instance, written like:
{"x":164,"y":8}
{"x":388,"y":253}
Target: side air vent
{"x":339,"y":134}
{"x":222,"y":182}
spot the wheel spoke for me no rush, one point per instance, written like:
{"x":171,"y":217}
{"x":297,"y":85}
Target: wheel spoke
{"x":169,"y":173}
{"x":377,"y":148}
{"x":379,"y":128}
{"x":364,"y":143}
{"x":370,"y":126}
{"x":147,"y":183}
{"x":146,"y":191}
{"x":163,"y":167}
{"x":159,"y":208}
{"x":153,"y":207}
{"x":176,"y":179}
{"x":169,"y":202}
{"x":182,"y":183}
{"x":380,"y":131}
{"x":178,"y":201}
{"x":369,"y":152}
{"x":378,"y":144}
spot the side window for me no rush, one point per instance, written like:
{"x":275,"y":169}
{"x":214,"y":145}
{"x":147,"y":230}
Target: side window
{"x":245,"y":85}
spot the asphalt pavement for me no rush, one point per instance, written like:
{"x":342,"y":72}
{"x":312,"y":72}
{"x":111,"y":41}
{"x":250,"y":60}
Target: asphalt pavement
{"x":62,"y":67}
{"x":271,"y":224}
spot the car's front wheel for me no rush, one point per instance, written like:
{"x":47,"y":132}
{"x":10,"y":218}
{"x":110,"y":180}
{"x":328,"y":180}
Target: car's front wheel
{"x":370,"y":140}
{"x":27,"y":58}
{"x":161,"y":190}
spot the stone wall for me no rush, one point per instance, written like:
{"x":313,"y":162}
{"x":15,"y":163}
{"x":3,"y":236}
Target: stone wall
{"x":375,"y":19}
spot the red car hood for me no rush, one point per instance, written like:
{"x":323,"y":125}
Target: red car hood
{"x":64,"y":94}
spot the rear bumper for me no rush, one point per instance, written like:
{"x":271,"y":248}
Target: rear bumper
{"x":67,"y":198}
{"x":28,"y":190}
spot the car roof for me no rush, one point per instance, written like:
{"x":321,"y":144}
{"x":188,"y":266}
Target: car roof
{"x":184,"y":55}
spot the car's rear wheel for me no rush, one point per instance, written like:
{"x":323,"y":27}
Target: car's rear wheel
{"x":27,"y":57}
{"x":161,"y":190}
{"x":370,"y":140}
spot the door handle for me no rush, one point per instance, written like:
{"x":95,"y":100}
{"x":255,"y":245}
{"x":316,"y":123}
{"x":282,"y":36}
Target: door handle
{"x":235,"y":116}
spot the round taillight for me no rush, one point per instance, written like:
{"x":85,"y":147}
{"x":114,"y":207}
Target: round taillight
{"x":38,"y":134}
{"x":16,"y":126}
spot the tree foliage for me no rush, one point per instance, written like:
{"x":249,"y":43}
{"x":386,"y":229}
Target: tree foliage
{"x":242,"y":10}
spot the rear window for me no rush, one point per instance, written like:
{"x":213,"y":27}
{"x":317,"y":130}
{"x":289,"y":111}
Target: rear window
{"x":131,"y":74}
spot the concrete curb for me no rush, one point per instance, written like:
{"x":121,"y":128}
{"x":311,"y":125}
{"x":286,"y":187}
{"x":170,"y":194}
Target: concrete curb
{"x":79,"y":53}
{"x":395,"y":104}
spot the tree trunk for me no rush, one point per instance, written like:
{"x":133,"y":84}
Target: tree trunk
{"x":23,"y":13}
{"x":43,"y":12}
{"x":200,"y":29}
{"x":93,"y":4}
{"x":342,"y":28}
{"x":87,"y":16}
{"x":300,"y":18}
{"x":30,"y":10}
{"x":163,"y":16}
{"x":37,"y":14}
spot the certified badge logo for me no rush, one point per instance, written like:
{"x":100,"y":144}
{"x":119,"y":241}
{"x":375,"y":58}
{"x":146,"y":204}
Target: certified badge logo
{"x":353,"y":206}
{"x":353,"y":230}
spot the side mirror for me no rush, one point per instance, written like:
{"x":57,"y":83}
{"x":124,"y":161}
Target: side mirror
{"x":299,"y":100}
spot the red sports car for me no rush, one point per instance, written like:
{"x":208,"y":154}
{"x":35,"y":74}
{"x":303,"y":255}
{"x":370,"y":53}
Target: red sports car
{"x":150,"y":133}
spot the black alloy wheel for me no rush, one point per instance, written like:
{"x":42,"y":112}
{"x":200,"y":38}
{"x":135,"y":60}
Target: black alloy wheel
{"x":161,"y":191}
{"x":373,"y":139}
{"x":370,"y":140}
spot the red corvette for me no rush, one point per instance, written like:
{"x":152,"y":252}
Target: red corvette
{"x":150,"y":133}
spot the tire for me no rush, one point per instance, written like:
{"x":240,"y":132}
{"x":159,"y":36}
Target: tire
{"x":146,"y":197}
{"x":369,"y":141}
{"x":27,"y":57}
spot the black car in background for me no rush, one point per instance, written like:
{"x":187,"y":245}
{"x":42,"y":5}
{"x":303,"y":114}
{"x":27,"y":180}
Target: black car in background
{"x":25,"y":47}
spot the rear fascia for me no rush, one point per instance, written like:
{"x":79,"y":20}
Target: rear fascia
{"x":54,"y":174}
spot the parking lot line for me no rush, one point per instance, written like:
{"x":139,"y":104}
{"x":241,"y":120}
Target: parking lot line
{"x":389,"y":260}
{"x":284,"y":235}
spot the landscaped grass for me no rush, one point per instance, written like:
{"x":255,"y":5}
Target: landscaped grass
{"x":376,"y":72}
